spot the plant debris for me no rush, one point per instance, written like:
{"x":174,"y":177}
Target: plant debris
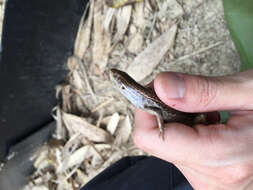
{"x":120,"y":3}
{"x":152,"y":55}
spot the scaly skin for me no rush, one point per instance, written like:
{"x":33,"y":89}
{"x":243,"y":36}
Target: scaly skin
{"x":146,"y":99}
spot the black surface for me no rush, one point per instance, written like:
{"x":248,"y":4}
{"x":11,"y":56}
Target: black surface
{"x":15,"y":173}
{"x":38,"y":36}
{"x":140,"y":173}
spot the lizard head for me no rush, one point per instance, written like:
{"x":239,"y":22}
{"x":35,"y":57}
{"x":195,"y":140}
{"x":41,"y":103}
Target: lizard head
{"x":120,"y":78}
{"x":127,"y":86}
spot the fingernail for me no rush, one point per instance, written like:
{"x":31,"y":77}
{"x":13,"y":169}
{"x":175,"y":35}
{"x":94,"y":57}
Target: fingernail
{"x":174,"y":85}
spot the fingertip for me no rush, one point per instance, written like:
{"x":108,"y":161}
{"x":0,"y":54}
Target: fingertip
{"x":143,"y":122}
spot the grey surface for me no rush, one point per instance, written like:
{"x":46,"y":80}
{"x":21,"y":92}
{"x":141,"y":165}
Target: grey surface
{"x":38,"y":36}
{"x":16,"y":171}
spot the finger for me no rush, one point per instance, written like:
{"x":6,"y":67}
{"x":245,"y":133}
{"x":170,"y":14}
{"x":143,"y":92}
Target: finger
{"x":179,"y":140}
{"x":144,"y":120}
{"x":210,"y":145}
{"x":201,"y":94}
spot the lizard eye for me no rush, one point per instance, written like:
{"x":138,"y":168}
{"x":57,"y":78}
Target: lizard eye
{"x":122,"y":87}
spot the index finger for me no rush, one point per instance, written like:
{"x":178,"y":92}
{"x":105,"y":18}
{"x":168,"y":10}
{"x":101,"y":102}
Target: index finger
{"x":144,"y":120}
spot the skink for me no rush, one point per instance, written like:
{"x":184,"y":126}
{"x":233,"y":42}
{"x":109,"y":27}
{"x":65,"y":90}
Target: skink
{"x":146,"y":99}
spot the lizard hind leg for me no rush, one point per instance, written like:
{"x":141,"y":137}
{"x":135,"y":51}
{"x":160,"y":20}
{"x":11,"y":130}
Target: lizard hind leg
{"x":157,"y":112}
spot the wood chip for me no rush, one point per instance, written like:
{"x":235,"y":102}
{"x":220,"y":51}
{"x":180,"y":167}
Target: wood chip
{"x":80,"y":125}
{"x":107,"y":119}
{"x":82,"y":178}
{"x":135,"y":43}
{"x":101,"y":116}
{"x":102,"y":105}
{"x":42,"y":156}
{"x":113,"y":123}
{"x":71,"y":145}
{"x":101,"y":147}
{"x":124,"y":131}
{"x":41,"y":187}
{"x":152,"y":55}
{"x":66,"y":97}
{"x":60,"y":131}
{"x":77,"y":157}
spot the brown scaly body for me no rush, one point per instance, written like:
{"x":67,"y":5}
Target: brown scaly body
{"x":146,"y":99}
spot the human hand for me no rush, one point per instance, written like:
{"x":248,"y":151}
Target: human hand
{"x":215,"y":157}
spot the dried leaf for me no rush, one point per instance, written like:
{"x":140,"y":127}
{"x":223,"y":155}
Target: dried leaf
{"x":113,"y":123}
{"x":109,"y":19}
{"x":91,"y":132}
{"x":83,"y":36}
{"x":102,"y":37}
{"x":122,"y":22}
{"x":85,"y":76}
{"x":152,"y":55}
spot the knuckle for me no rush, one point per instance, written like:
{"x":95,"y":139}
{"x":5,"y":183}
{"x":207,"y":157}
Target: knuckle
{"x":243,"y":173}
{"x":138,"y":141}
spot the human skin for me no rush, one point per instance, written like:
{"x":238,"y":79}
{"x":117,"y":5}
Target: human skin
{"x":213,"y":157}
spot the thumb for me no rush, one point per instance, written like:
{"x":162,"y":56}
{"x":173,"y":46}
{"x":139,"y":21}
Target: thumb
{"x":201,"y":94}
